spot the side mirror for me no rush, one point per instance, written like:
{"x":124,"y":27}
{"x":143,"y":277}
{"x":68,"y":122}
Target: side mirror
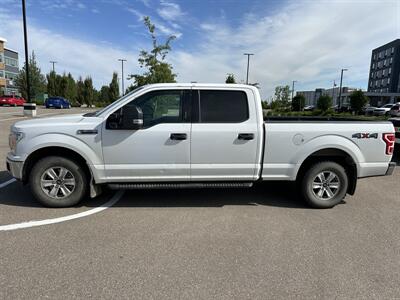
{"x":132,"y":117}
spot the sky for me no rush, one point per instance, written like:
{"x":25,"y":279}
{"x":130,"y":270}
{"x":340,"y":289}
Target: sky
{"x":304,"y":40}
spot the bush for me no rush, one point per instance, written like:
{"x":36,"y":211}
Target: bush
{"x":298,"y":102}
{"x":324,"y":103}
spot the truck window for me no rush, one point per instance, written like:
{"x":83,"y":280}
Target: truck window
{"x":223,"y":106}
{"x":160,"y":107}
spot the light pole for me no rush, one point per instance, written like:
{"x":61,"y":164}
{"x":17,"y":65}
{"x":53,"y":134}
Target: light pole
{"x":53,"y":63}
{"x":122,"y":77}
{"x":248,"y":64}
{"x":293,"y":82}
{"x":28,"y":84}
{"x":333,"y":90}
{"x":340,"y":88}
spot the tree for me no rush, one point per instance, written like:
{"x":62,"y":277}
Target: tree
{"x":230,"y":79}
{"x":88,"y":91}
{"x":298,"y":102}
{"x":358,"y":100}
{"x":80,"y":88}
{"x":52,"y":84}
{"x":282,"y":97}
{"x":37,"y":79}
{"x":113,"y":91}
{"x":157,"y":70}
{"x":324,"y":102}
{"x":104,"y":95}
{"x":71,"y":92}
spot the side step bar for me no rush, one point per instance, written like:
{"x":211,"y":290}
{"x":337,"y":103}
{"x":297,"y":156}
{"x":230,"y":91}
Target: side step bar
{"x":191,"y":185}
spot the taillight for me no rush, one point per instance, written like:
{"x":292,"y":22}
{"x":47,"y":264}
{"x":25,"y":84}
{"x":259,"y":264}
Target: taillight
{"x":389,"y":140}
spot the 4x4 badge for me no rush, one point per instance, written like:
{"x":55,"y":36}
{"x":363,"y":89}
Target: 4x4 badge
{"x":365,"y":136}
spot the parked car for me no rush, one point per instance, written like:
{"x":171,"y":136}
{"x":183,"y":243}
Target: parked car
{"x":396,"y":124}
{"x":383,"y":110}
{"x":395,"y":110}
{"x":12,"y":100}
{"x":57,"y":102}
{"x":309,"y":108}
{"x":183,"y":136}
{"x":369,"y":110}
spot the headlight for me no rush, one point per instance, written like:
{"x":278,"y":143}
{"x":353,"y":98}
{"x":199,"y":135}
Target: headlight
{"x":13,"y":139}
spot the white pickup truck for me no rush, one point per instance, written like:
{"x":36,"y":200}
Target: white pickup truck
{"x":194,"y":135}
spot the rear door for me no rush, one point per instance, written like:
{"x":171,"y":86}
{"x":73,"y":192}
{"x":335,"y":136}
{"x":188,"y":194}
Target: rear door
{"x":225,"y":135}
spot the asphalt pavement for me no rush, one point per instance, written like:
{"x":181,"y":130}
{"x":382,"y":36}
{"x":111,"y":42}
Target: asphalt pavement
{"x":259,"y":243}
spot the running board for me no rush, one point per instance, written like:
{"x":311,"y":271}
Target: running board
{"x":140,"y":186}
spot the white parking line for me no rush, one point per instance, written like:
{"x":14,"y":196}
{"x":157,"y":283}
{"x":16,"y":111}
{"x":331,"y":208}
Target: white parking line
{"x":96,"y":210}
{"x":7,"y":182}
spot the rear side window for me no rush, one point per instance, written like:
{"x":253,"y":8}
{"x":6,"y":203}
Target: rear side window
{"x":223,"y":106}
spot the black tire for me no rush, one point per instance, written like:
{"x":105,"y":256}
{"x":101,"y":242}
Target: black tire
{"x":311,"y":179}
{"x":75,"y":171}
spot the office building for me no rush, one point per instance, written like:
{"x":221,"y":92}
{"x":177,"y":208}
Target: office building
{"x":9,"y":69}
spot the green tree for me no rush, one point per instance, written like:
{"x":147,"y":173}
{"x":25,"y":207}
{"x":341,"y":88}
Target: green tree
{"x":157,"y":70}
{"x":80,"y":89}
{"x":324,"y":102}
{"x":104,"y":95}
{"x":113,"y":90}
{"x":88,"y":91}
{"x":358,"y":100}
{"x":298,"y":102}
{"x":52,"y":84}
{"x":37,"y":79}
{"x":71,"y":91}
{"x":230,"y":79}
{"x":282,"y":96}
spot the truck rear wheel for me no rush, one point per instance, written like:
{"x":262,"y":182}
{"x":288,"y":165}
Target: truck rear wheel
{"x":58,"y":182}
{"x":324,"y":185}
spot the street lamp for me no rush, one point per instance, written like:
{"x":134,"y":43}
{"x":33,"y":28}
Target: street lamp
{"x":122,"y":77}
{"x":340,"y":88}
{"x":293,"y":82}
{"x":29,"y":108}
{"x":248,"y":63}
{"x":53,"y":63}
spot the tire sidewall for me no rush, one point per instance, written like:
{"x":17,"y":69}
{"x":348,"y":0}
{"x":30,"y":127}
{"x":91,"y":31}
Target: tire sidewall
{"x":309,"y":176}
{"x":54,"y":161}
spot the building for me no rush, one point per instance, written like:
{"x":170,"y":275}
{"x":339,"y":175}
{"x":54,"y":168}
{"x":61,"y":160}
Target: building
{"x":9,"y":69}
{"x":313,"y":96}
{"x":384,"y":74}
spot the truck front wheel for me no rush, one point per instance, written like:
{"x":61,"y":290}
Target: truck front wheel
{"x":58,"y":182}
{"x":325,"y":184}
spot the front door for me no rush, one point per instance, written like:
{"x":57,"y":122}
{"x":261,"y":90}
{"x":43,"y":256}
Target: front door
{"x":160,"y":151}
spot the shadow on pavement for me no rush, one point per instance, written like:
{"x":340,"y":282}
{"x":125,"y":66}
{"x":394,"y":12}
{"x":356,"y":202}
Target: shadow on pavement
{"x":279,"y":194}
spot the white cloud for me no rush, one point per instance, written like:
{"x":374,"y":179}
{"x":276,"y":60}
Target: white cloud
{"x":169,"y":11}
{"x":81,"y":58}
{"x":309,"y":41}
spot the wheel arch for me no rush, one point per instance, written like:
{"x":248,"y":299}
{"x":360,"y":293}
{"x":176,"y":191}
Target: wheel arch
{"x":53,"y":151}
{"x":336,"y":155}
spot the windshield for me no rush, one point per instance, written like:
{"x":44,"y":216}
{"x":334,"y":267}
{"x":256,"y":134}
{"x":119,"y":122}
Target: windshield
{"x":115,"y":103}
{"x":387,"y":105}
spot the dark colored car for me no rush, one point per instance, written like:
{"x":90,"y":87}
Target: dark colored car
{"x":57,"y":102}
{"x":12,"y":100}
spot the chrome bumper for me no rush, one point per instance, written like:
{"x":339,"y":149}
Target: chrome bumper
{"x":390,"y":169}
{"x":15,"y":168}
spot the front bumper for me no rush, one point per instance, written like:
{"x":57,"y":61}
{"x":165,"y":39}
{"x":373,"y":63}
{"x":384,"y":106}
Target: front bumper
{"x":15,"y":167}
{"x":390,"y":169}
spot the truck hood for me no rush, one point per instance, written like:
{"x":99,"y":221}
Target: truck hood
{"x":55,"y":121}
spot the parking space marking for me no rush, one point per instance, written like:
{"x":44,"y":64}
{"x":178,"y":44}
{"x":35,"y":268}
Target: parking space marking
{"x":7,"y":182}
{"x":96,"y":210}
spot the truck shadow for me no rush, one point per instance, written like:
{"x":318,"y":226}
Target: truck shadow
{"x":278,"y":194}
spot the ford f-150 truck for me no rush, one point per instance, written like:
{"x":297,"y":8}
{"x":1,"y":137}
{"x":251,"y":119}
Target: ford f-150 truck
{"x":194,"y":135}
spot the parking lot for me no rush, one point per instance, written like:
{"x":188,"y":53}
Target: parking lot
{"x":260,"y":243}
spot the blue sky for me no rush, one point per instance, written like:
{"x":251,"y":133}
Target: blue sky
{"x":304,"y":40}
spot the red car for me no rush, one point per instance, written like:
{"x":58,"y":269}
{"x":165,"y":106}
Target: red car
{"x":12,"y":100}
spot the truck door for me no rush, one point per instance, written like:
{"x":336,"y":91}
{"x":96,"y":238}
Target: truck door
{"x":225,"y":135}
{"x":160,"y":151}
